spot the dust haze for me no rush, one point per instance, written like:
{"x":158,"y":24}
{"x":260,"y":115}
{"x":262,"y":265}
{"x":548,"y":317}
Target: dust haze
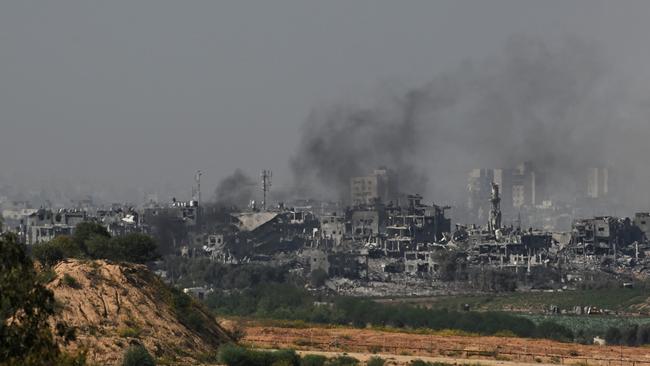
{"x":561,"y":106}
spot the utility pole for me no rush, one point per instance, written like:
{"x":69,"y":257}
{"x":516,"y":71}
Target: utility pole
{"x":266,"y":184}
{"x":198,"y":175}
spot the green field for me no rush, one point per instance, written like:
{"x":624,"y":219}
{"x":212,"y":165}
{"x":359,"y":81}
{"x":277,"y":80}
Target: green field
{"x":617,"y":300}
{"x":589,"y":323}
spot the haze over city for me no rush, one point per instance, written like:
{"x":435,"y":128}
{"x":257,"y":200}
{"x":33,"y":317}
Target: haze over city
{"x":123,"y":99}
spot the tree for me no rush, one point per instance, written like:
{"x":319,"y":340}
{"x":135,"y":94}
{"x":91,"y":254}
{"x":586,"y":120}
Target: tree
{"x":86,"y":230}
{"x":137,"y":356}
{"x":47,"y":253}
{"x":68,"y":246}
{"x":138,"y":248}
{"x":57,"y":249}
{"x":25,"y":306}
{"x":613,"y":335}
{"x":101,"y":247}
{"x":318,"y":277}
{"x":452,"y":265}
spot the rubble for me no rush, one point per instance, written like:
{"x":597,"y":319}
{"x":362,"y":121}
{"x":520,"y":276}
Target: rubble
{"x":373,"y":247}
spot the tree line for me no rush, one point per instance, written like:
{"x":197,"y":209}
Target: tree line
{"x":288,"y":302}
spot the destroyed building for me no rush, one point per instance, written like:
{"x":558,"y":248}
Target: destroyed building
{"x":380,"y":186}
{"x":44,"y":225}
{"x":414,"y":227}
{"x":504,"y":246}
{"x":607,"y":235}
{"x":257,"y":234}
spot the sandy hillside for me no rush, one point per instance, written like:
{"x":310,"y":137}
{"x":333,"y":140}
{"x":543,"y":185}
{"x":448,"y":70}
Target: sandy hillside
{"x":114,"y":305}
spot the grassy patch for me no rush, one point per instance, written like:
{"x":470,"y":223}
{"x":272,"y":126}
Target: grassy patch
{"x":616,"y":299}
{"x":70,"y":281}
{"x":129,"y":332}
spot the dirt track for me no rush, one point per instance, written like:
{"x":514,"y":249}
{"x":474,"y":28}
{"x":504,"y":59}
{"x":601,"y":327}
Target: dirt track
{"x":450,"y":348}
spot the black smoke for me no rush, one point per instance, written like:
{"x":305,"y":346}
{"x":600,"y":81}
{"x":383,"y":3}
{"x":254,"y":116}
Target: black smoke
{"x":236,"y":190}
{"x":562,"y":106}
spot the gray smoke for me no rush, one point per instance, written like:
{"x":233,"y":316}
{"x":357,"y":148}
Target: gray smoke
{"x":561,"y":106}
{"x":236,"y":190}
{"x":344,"y":141}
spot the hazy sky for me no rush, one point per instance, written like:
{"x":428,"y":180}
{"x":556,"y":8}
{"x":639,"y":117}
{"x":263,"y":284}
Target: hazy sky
{"x":142,"y":93}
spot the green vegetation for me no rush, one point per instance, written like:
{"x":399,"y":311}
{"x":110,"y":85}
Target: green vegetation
{"x":136,"y":248}
{"x":129,"y":332}
{"x":313,"y":360}
{"x":137,"y":356}
{"x":189,"y":272}
{"x":70,"y":281}
{"x":92,"y":241}
{"x":25,"y":306}
{"x":634,"y":335}
{"x":613,"y":298}
{"x":342,"y":361}
{"x":232,"y":355}
{"x":274,"y":301}
{"x":318,"y":277}
{"x":376,"y":361}
{"x":189,"y":312}
{"x":425,"y":363}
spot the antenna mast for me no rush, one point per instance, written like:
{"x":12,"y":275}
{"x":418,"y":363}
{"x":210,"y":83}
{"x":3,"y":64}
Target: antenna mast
{"x":266,"y":184}
{"x":197,"y":177}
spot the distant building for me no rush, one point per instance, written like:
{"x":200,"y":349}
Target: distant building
{"x":522,"y":186}
{"x":525,"y":184}
{"x":597,"y":182}
{"x":380,"y":186}
{"x":44,"y":225}
{"x":479,"y":188}
{"x":642,"y":221}
{"x":332,"y":231}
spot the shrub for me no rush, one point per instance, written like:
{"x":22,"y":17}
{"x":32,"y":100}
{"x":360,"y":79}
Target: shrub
{"x":376,"y":361}
{"x":137,"y":248}
{"x":342,"y":361}
{"x":551,"y":330}
{"x":232,"y":355}
{"x":71,"y":281}
{"x":420,"y":363}
{"x":137,"y":356}
{"x":47,"y":253}
{"x":613,"y":336}
{"x":318,"y":277}
{"x":27,"y":306}
{"x":313,"y":360}
{"x":183,"y":306}
{"x":46,"y":276}
{"x":238,"y":331}
{"x":129,"y":332}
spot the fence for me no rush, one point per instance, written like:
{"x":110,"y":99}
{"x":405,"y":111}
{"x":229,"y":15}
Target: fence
{"x":477,"y":352}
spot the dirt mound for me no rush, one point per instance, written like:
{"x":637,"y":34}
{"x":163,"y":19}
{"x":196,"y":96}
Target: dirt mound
{"x":115,"y":305}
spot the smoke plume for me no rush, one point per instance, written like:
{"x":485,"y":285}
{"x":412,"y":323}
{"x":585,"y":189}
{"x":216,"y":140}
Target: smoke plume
{"x":561,"y":106}
{"x":235,"y":190}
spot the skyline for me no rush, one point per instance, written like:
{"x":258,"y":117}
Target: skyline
{"x":138,"y":96}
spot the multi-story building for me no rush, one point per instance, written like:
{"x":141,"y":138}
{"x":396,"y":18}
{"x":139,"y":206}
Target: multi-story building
{"x":44,"y":225}
{"x":521,"y":187}
{"x":597,"y":182}
{"x":380,"y":186}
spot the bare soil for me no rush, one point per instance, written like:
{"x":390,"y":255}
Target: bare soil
{"x":453,"y":348}
{"x":116,"y":305}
